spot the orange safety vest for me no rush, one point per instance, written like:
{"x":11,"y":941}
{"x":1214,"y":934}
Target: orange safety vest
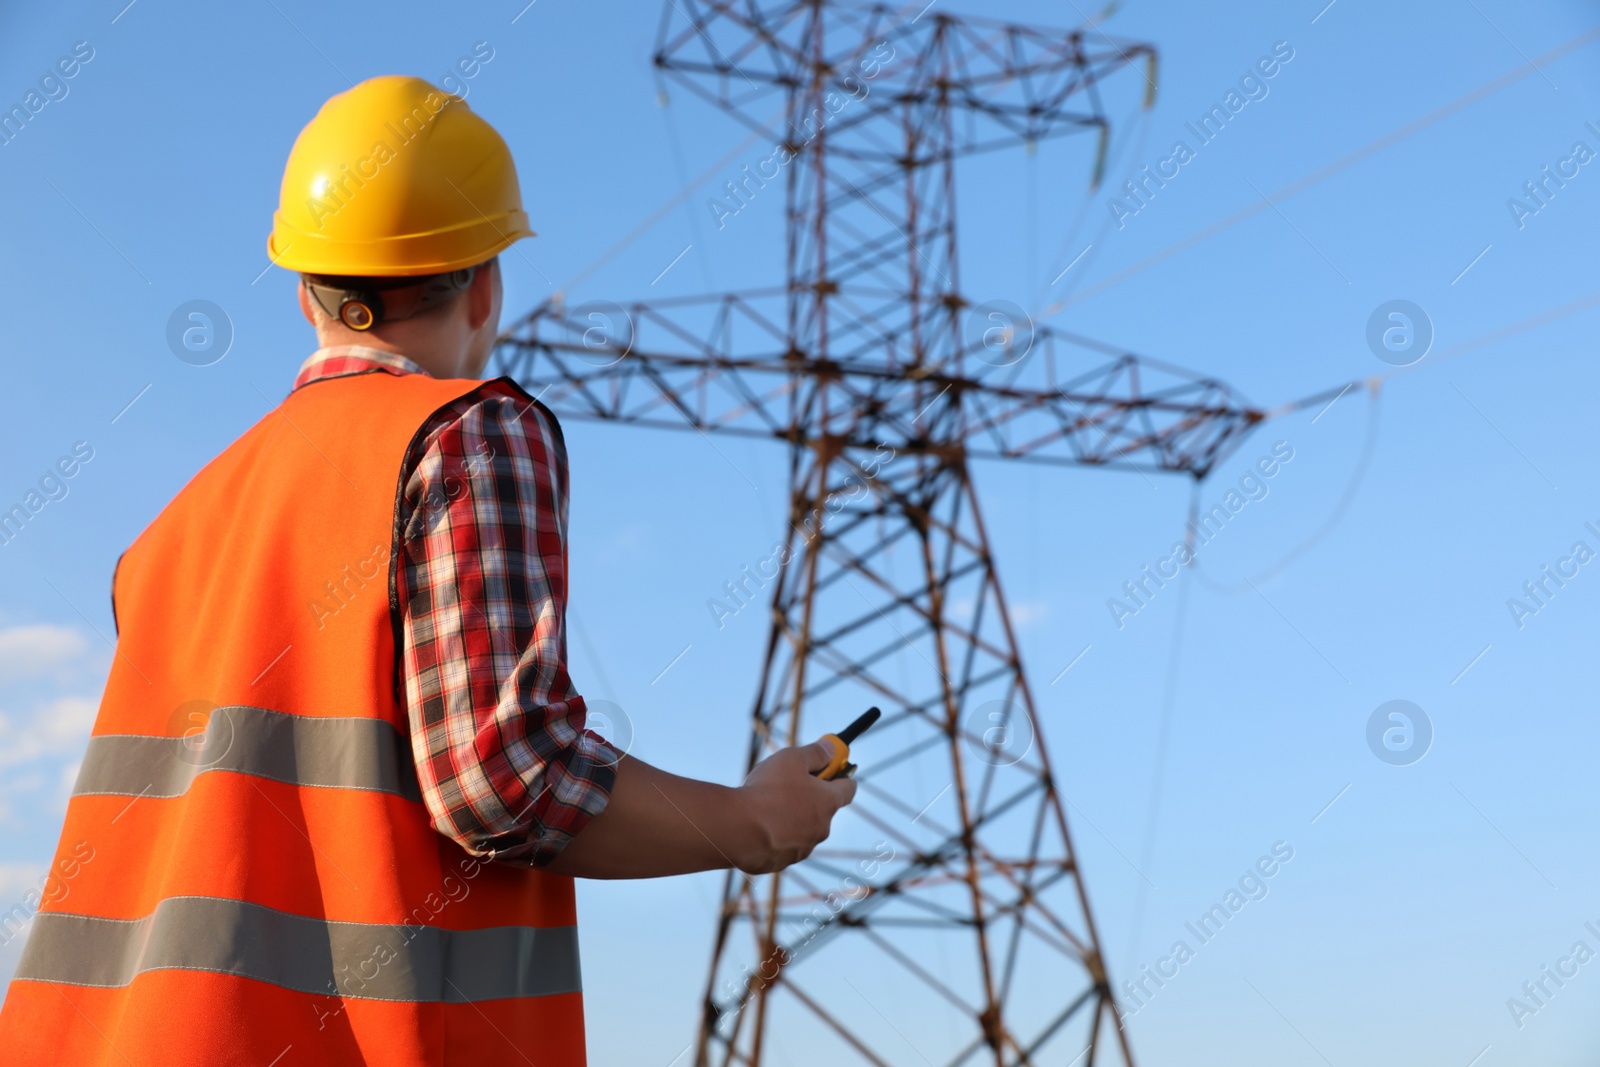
{"x":262,"y":883}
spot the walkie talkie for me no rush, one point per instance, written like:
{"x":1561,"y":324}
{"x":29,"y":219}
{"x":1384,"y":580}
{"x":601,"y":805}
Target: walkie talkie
{"x":840,"y":766}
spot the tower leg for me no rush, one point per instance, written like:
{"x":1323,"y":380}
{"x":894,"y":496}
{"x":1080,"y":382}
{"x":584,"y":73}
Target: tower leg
{"x":956,"y":850}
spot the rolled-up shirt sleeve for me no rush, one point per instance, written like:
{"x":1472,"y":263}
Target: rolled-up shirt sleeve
{"x":506,"y":765}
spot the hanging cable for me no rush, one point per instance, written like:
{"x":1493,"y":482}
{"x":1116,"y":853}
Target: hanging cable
{"x":1346,"y":498}
{"x":1169,"y":700}
{"x":1140,"y":119}
{"x":674,"y":139}
{"x":1030,"y":197}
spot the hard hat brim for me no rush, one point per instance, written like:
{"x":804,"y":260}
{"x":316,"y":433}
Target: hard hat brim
{"x":435,"y":252}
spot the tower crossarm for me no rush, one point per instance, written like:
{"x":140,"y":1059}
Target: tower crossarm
{"x":1067,"y":401}
{"x":1017,"y":82}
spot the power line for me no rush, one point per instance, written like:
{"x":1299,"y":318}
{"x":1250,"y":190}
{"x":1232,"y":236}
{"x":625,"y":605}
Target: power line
{"x":1294,"y":188}
{"x":1346,"y":498}
{"x":1462,"y":348}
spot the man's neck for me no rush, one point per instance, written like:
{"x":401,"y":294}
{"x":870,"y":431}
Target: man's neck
{"x":439,"y":360}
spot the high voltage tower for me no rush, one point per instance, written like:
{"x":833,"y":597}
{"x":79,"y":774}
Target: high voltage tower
{"x":946,"y":921}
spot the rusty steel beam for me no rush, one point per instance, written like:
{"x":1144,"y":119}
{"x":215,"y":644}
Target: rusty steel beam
{"x":886,"y":383}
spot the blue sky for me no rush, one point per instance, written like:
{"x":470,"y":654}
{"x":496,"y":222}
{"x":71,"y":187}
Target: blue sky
{"x":1414,"y":906}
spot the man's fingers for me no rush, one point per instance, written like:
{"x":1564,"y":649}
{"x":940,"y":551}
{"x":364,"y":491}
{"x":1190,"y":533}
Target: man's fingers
{"x":843,"y":791}
{"x":818,"y":755}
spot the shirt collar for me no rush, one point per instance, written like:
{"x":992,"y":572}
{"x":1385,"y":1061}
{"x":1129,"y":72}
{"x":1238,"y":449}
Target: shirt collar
{"x":338,"y":360}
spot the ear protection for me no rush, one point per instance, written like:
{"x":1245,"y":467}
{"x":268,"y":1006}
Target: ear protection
{"x":362,"y":303}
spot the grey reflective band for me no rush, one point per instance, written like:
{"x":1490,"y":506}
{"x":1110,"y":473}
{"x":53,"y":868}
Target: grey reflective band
{"x":337,"y":753}
{"x":373,"y":961}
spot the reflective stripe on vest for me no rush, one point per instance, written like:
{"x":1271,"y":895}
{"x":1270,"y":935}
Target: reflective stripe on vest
{"x":342,"y":753}
{"x":409,"y":963}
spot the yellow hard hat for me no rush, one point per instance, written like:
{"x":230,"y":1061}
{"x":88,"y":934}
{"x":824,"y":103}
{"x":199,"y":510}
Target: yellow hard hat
{"x":396,"y":177}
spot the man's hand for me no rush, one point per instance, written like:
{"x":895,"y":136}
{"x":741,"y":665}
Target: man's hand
{"x":791,"y":810}
{"x":658,"y":824}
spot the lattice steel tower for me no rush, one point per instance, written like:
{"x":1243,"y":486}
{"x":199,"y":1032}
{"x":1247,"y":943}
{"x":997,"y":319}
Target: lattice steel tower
{"x":946,"y":922}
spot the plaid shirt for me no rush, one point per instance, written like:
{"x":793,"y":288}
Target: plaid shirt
{"x":497,"y":731}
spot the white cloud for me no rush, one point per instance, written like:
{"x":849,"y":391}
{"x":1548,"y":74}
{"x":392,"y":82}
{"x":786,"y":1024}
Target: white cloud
{"x":37,"y":747}
{"x":40,"y":648}
{"x":17,"y":878}
{"x":1028,"y":613}
{"x":57,"y":727}
{"x":20,"y":886}
{"x":1024,"y":613}
{"x":50,"y":677}
{"x":67,"y":779}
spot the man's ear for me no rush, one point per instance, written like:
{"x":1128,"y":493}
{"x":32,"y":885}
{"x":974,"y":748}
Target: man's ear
{"x":305,"y":304}
{"x":480,"y":295}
